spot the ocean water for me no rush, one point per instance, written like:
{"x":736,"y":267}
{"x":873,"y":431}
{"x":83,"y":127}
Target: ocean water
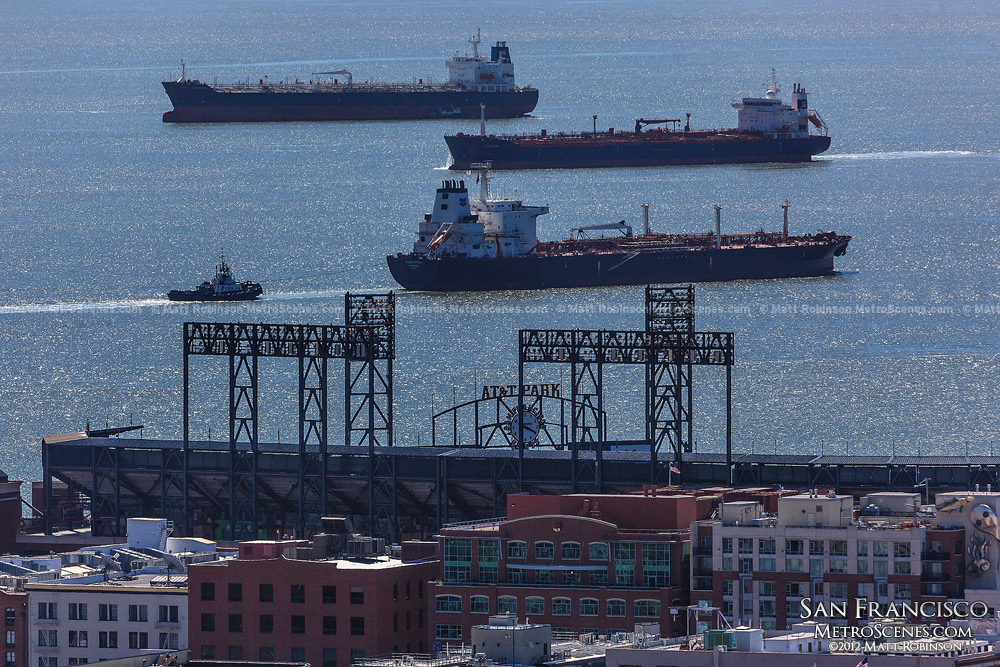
{"x":103,"y":208}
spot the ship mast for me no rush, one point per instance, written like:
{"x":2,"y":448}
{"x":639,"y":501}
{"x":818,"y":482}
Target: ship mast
{"x":475,"y":41}
{"x":483,"y":178}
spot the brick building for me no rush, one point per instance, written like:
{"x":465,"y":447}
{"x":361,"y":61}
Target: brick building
{"x":756,"y":568}
{"x":328,"y":612}
{"x":579,"y":563}
{"x":15,"y":626}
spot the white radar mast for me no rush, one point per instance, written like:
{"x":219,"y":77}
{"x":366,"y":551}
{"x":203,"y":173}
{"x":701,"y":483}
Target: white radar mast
{"x":475,"y":41}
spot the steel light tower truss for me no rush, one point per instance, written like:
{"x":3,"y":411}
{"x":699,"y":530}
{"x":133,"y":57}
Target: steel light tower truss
{"x":366,"y":344}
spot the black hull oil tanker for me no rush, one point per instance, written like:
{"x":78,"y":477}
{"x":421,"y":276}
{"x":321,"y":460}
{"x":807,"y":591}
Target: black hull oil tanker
{"x":767,"y":131}
{"x":490,"y":244}
{"x":476,"y":86}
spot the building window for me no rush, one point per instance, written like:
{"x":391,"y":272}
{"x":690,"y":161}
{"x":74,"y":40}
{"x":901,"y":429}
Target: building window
{"x":49,"y":638}
{"x":357,"y":626}
{"x":517,"y":549}
{"x":838,"y":548}
{"x":597,"y":551}
{"x":266,"y":653}
{"x":357,"y":655}
{"x":10,"y":616}
{"x":446,"y":631}
{"x":457,"y":560}
{"x":862,"y":549}
{"x":589,"y":607}
{"x":235,"y":652}
{"x":901,"y":549}
{"x":266,"y":624}
{"x":561,"y":607}
{"x":625,"y":564}
{"x":329,"y":595}
{"x":793,"y":565}
{"x":901,"y":567}
{"x":298,"y":654}
{"x":571,"y":550}
{"x":815,"y":547}
{"x":488,"y":574}
{"x":816,"y":567}
{"x":107,"y":639}
{"x":515,"y":575}
{"x":329,"y":657}
{"x":647,"y":608}
{"x":656,"y":565}
{"x":598,"y":578}
{"x":615,"y":607}
{"x":534,"y":606}
{"x":107,"y":612}
{"x":208,"y":593}
{"x":236,"y":592}
{"x":267,"y":592}
{"x":299,"y":624}
{"x":448,"y":603}
{"x":330,"y":625}
{"x":766,"y":547}
{"x":545,"y":549}
{"x":767,"y":588}
{"x":208,"y":651}
{"x":507,"y":604}
{"x":746,"y":545}
{"x":544,"y":577}
{"x":47,"y":611}
{"x":880,"y":549}
{"x":480,"y":604}
{"x":168,"y":613}
{"x":881,"y":568}
{"x":838,"y":565}
{"x":138,"y":613}
{"x":208,"y":622}
{"x":838,"y":590}
{"x":168,"y":640}
{"x":571,"y":577}
{"x":236,"y":622}
{"x":298,"y":593}
{"x":766,"y":564}
{"x":488,"y":551}
{"x":357,"y":595}
{"x":11,"y":637}
{"x":78,"y":611}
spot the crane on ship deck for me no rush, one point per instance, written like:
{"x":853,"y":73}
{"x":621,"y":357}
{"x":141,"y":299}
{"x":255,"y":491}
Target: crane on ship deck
{"x":643,"y":122}
{"x":339,"y":71}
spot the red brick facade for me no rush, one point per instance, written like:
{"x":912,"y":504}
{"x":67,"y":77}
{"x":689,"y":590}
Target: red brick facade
{"x":577,"y":563}
{"x":15,"y":625}
{"x":327,"y":613}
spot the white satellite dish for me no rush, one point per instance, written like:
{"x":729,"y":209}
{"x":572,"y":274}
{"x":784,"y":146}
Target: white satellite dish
{"x":174,"y":564}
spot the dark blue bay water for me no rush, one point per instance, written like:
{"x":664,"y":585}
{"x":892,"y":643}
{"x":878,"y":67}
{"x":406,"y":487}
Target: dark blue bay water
{"x":103,"y":208}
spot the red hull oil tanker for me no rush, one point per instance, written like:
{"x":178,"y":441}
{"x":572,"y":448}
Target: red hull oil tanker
{"x":473,"y":83}
{"x":767,"y":131}
{"x":490,"y":244}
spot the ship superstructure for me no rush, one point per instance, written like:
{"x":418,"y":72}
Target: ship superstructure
{"x":474,"y":81}
{"x":767,"y":130}
{"x":491,"y":243}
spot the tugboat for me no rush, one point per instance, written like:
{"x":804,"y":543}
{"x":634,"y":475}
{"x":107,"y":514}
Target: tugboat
{"x":221,"y":288}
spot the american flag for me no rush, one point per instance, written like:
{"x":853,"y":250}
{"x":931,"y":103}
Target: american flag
{"x":864,"y":662}
{"x":674,"y":469}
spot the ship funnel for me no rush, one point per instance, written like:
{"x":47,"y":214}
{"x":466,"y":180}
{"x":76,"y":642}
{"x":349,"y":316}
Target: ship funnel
{"x":718,"y":226}
{"x":784,"y":208}
{"x":645,"y":219}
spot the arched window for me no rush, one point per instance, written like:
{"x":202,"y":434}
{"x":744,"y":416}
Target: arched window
{"x":534,"y":606}
{"x":448,"y":603}
{"x":616,"y":607}
{"x":647,"y":608}
{"x":517,"y":549}
{"x":562,"y":607}
{"x":571,"y":551}
{"x":589,"y":607}
{"x":507,"y":604}
{"x":480,"y":604}
{"x":598,"y":551}
{"x":544,"y":550}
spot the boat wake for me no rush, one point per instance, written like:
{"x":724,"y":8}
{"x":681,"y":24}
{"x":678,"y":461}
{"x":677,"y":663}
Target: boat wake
{"x":894,"y":155}
{"x":91,"y":306}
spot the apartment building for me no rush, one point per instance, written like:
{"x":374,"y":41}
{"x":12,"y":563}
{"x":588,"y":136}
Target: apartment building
{"x":757,"y":568}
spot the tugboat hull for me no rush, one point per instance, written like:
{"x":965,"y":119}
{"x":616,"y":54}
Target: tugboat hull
{"x":250,"y":294}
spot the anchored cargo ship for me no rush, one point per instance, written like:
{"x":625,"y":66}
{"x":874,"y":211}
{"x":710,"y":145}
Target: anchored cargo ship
{"x":473,"y":82}
{"x":491,"y":244}
{"x":767,"y":131}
